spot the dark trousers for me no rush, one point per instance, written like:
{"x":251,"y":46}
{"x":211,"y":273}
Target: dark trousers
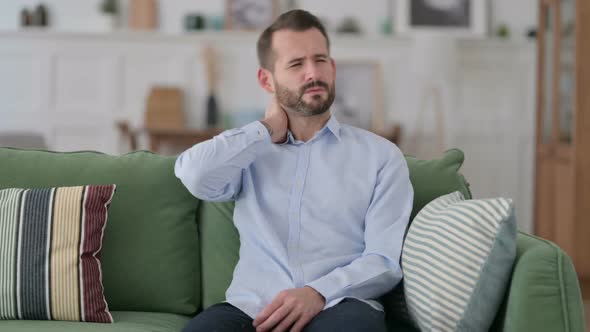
{"x":350,"y":315}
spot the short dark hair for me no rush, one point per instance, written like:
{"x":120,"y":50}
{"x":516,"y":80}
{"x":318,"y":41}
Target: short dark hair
{"x":296,"y":20}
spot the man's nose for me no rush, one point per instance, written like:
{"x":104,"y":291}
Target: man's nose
{"x":311,"y":72}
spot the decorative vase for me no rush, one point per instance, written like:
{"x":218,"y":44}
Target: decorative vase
{"x":40,"y":16}
{"x":26,"y":18}
{"x":143,"y":14}
{"x":212,"y":111}
{"x":106,"y":22}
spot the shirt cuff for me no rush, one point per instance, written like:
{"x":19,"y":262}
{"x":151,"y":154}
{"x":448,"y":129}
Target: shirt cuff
{"x":324,"y":286}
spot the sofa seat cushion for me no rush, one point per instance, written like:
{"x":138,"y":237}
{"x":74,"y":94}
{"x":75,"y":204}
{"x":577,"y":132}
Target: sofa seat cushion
{"x":125,"y":321}
{"x":150,"y":253}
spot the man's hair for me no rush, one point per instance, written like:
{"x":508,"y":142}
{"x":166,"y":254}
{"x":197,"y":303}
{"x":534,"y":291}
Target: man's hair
{"x":296,"y":20}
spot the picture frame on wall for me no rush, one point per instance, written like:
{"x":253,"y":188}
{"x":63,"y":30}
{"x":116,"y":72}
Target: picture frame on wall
{"x":250,"y":14}
{"x":459,"y":17}
{"x":359,"y":95}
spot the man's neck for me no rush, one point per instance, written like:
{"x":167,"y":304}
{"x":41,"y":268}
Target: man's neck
{"x":304,"y":128}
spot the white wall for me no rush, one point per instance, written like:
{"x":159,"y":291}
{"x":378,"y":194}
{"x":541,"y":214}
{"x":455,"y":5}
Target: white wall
{"x":68,"y":15}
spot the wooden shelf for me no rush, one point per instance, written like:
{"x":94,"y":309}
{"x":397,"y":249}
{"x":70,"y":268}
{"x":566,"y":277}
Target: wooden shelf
{"x":249,"y":37}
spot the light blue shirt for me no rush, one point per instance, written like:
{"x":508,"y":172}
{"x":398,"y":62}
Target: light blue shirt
{"x":329,"y":213}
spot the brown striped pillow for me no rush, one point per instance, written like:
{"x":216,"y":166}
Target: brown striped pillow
{"x":50,"y":242}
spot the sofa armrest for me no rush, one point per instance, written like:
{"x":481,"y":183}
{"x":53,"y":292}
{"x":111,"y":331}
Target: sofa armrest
{"x":544,"y":292}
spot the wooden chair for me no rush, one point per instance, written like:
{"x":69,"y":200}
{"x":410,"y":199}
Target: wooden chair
{"x":128,"y":134}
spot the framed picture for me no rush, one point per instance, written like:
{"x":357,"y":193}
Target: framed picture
{"x":461,"y":17}
{"x":359,"y":95}
{"x":250,"y":14}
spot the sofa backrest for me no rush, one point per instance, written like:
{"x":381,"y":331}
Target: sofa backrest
{"x":220,"y":241}
{"x":150,"y":255}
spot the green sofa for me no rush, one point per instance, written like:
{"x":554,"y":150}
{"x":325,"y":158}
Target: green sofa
{"x":166,"y":255}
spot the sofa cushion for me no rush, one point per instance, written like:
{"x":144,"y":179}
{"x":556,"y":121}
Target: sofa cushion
{"x":436,"y":177}
{"x":124,"y":322}
{"x":457,"y":259}
{"x":150,"y":254}
{"x":220,"y":245}
{"x":49,"y":257}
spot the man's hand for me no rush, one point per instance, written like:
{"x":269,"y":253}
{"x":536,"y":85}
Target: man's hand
{"x":291,"y":308}
{"x":276,"y":118}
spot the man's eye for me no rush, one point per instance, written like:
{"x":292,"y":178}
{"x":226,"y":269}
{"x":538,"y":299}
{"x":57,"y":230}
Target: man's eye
{"x":295,"y":65}
{"x":321,"y":60}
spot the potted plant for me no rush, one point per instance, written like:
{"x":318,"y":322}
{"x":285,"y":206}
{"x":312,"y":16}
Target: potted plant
{"x":109,"y":10}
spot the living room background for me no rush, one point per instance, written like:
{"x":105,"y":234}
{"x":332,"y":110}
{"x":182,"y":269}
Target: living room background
{"x":73,"y":81}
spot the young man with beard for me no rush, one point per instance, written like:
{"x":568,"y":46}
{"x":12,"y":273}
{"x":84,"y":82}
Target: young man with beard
{"x":321,"y":208}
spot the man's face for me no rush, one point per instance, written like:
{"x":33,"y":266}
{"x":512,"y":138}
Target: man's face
{"x":304,"y":73}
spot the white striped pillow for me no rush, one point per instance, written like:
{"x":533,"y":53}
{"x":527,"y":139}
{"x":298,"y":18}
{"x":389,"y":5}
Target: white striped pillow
{"x":457,"y":259}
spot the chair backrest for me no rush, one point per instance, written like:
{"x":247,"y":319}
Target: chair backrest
{"x":128,"y":134}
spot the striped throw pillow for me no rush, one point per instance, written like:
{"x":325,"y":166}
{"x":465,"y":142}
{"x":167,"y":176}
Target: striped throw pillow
{"x":50,"y":242}
{"x":457,"y":259}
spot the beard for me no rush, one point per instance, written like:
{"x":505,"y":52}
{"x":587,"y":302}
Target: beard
{"x":293,"y":100}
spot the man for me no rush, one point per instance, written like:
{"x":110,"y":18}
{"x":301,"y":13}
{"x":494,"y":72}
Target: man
{"x":321,"y":208}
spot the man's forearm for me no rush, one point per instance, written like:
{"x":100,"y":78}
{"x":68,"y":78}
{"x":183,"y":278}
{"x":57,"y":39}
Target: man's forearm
{"x":367,"y":277}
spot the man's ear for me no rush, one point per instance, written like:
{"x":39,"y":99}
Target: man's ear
{"x":266,"y":81}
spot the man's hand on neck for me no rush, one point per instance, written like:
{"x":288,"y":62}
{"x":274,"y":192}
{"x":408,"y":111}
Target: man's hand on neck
{"x":280,"y":121}
{"x":276,"y":118}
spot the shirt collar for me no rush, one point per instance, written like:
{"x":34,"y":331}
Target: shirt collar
{"x":332,"y":126}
